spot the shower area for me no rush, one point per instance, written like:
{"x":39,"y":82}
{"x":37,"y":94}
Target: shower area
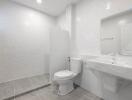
{"x":33,"y":46}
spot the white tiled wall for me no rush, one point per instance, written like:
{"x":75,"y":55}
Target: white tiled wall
{"x":86,"y":29}
{"x":24,"y":41}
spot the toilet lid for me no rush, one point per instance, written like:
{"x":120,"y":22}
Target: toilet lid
{"x":64,"y":74}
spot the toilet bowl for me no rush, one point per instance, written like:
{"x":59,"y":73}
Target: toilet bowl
{"x":65,"y":77}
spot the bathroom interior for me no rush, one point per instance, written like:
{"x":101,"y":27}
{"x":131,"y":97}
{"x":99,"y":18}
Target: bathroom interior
{"x":65,"y":50}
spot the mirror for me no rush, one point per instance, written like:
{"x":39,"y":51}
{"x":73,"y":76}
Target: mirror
{"x":126,"y":39}
{"x":116,"y":34}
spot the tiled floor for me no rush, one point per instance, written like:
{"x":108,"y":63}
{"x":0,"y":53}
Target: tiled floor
{"x":17,"y":87}
{"x":48,"y":93}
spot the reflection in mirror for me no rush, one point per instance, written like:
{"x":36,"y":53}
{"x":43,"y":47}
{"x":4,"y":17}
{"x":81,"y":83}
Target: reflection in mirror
{"x":116,"y":34}
{"x":126,"y":39}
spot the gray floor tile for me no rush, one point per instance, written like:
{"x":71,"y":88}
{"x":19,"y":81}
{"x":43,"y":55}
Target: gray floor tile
{"x":6,"y":90}
{"x":22,"y":85}
{"x":26,"y":97}
{"x":40,"y":80}
{"x":48,"y":94}
{"x":17,"y":87}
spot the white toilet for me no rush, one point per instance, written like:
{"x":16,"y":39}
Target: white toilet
{"x":64,"y":77}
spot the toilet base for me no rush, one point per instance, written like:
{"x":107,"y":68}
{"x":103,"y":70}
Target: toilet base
{"x":65,"y":87}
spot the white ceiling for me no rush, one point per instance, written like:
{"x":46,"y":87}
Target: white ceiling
{"x":51,"y":7}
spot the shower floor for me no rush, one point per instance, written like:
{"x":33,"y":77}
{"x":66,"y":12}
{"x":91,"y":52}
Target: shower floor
{"x":48,"y":94}
{"x":20,"y":86}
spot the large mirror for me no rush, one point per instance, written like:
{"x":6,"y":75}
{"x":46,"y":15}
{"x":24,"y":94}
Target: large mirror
{"x":116,"y":34}
{"x":126,"y":39}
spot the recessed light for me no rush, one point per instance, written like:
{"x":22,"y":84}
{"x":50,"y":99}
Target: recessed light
{"x":108,"y":5}
{"x":39,"y":1}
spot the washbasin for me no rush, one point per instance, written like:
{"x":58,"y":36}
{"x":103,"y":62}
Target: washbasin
{"x":110,"y":66}
{"x":110,"y":61}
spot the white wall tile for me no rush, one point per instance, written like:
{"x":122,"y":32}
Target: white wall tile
{"x":24,"y":41}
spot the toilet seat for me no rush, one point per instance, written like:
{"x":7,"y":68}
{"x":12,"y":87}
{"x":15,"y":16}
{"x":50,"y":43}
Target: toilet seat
{"x":65,"y":74}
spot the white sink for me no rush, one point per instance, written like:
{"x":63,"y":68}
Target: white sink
{"x":110,"y":61}
{"x":117,"y":68}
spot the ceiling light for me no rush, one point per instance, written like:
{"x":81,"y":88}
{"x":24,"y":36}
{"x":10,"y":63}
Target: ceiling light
{"x":108,"y":5}
{"x":39,"y":1}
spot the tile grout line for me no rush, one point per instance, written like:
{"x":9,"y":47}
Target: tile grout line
{"x":35,"y":95}
{"x":14,"y":93}
{"x":38,"y":97}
